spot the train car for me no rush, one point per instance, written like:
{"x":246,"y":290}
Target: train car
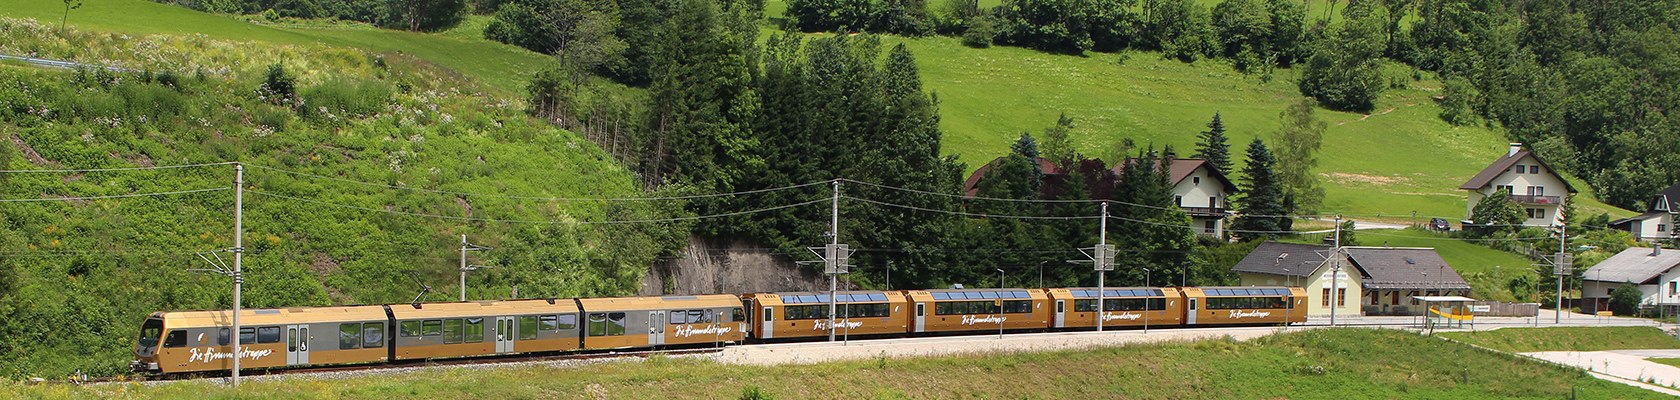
{"x":1076,"y":308}
{"x":793,"y":315}
{"x":630,"y":322}
{"x":197,"y":341}
{"x":1244,"y":305}
{"x":964,"y":310}
{"x":483,"y":328}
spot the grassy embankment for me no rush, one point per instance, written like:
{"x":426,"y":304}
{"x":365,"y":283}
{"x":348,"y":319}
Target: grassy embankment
{"x":502,"y":67}
{"x":1525,"y":340}
{"x":79,"y":276}
{"x":1327,"y":364}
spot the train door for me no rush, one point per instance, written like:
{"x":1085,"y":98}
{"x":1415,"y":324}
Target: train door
{"x":297,"y":344}
{"x":1061,"y":308}
{"x":656,"y":328}
{"x":1190,"y":314}
{"x":921,"y":317}
{"x":769,"y":322}
{"x":506,"y":328}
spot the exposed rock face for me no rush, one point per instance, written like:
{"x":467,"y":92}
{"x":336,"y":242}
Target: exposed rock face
{"x":714,"y":266}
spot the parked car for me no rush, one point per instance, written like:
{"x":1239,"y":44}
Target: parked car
{"x":1439,"y":225}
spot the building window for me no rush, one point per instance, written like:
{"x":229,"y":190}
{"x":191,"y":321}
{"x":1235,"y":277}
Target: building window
{"x":1502,"y":188}
{"x":1536,"y":190}
{"x":1178,"y":201}
{"x":1341,"y":297}
{"x":1209,"y":226}
{"x":1673,"y":287}
{"x":1196,"y":180}
{"x":1536,"y":213}
{"x":1213,"y":202}
{"x":1661,"y":227}
{"x":1325,"y":300}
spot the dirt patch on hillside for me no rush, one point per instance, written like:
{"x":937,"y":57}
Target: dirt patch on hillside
{"x":728,"y":267}
{"x":30,"y":154}
{"x":1347,"y":178}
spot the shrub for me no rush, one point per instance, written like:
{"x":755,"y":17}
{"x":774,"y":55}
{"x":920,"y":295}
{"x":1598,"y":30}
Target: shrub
{"x":346,"y":98}
{"x":1625,"y":299}
{"x":279,"y":86}
{"x":1458,"y":101}
{"x":980,"y":32}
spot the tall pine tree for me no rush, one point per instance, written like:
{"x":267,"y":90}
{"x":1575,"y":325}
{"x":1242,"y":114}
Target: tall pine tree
{"x":1213,"y":146}
{"x":1260,"y":201}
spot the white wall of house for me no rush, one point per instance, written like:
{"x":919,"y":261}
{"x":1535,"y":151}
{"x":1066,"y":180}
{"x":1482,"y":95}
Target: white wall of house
{"x":1666,"y":291}
{"x":1545,"y":182}
{"x":1315,"y":285}
{"x":1201,"y":189}
{"x":1658,"y":227}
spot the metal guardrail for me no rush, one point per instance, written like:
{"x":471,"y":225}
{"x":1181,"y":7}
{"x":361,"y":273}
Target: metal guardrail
{"x":61,"y":63}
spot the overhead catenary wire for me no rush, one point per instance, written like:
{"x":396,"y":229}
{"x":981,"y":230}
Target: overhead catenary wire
{"x":117,"y":169}
{"x":1063,"y":201}
{"x":552,"y":222}
{"x":115,"y":196}
{"x":964,"y":213}
{"x":540,"y":198}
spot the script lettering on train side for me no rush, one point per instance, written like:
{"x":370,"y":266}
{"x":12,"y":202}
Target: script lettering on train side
{"x":690,"y":330}
{"x":210,"y":354}
{"x":822,"y":324}
{"x":1240,"y":314}
{"x":990,"y":319}
{"x":1108,"y":316}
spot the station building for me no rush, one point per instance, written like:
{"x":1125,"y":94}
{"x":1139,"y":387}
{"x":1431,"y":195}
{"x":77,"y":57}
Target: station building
{"x":1371,"y":281}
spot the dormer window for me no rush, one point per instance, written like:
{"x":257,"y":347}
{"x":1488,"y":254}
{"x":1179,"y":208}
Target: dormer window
{"x":1660,"y":203}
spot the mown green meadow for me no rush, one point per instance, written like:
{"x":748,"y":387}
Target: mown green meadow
{"x":1313,"y":364}
{"x":1523,"y":340}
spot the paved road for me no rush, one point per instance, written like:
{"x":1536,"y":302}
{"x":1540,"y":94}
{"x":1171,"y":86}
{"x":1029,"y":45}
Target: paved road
{"x":1625,"y":366}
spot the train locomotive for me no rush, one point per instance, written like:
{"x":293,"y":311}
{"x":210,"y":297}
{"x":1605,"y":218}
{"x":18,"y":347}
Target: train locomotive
{"x":187,"y":342}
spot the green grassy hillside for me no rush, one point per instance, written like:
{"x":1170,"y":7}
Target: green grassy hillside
{"x":1523,"y":340}
{"x":500,"y":66}
{"x":1314,"y":364}
{"x":78,"y":276}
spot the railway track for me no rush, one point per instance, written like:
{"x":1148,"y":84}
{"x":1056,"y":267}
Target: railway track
{"x":397,"y":366}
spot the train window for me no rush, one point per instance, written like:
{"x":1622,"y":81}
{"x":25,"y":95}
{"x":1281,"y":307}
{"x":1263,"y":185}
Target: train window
{"x":597,"y":324}
{"x":737,"y":314}
{"x":679,"y":317}
{"x":1017,"y":306}
{"x":615,"y":324}
{"x":177,"y":338}
{"x":431,"y":327}
{"x":699,"y":317}
{"x":474,"y":331}
{"x":921,"y":309}
{"x":550,"y":323}
{"x":1085,"y":305}
{"x":150,"y":332}
{"x":451,"y":331}
{"x":567,"y":322}
{"x":1061,"y":306}
{"x":349,"y":336}
{"x":222,"y":337}
{"x":268,"y":334}
{"x":247,"y":335}
{"x":410,"y":328}
{"x":373,"y":335}
{"x":527,"y":327}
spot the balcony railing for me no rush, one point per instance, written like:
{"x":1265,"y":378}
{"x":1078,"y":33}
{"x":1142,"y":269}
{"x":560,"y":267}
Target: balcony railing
{"x":1532,"y":199}
{"x":1205,"y":211}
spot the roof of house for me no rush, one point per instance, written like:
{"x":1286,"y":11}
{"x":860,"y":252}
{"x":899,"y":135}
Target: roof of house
{"x":1636,"y":264}
{"x":1404,"y":268}
{"x":1671,"y":196}
{"x":1302,"y":259}
{"x":1183,"y":167}
{"x":1622,"y":223}
{"x":1503,"y":164}
{"x":971,"y":186}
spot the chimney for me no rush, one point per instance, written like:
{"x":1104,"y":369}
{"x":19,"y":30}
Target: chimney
{"x":1515,"y":147}
{"x":1656,"y":249}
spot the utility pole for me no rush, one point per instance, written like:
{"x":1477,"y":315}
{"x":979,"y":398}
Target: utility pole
{"x":465,"y":247}
{"x":1335,"y":268}
{"x":1102,"y":263}
{"x":1562,"y":268}
{"x":238,"y":260}
{"x":834,"y":256}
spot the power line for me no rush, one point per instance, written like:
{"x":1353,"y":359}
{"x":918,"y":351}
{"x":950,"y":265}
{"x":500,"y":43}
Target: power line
{"x":1092,"y":201}
{"x":62,"y":171}
{"x":117,"y":196}
{"x":981,"y":215}
{"x":543,"y":198}
{"x":451,"y":217}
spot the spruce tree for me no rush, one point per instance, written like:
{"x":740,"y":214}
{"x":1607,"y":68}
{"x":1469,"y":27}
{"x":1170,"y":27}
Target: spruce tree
{"x":1027,"y":148}
{"x":1213,"y":146}
{"x":1260,"y":202}
{"x":1058,"y":146}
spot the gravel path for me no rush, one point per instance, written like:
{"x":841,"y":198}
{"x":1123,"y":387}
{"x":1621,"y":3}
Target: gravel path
{"x":808,"y":353}
{"x":1625,"y":366}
